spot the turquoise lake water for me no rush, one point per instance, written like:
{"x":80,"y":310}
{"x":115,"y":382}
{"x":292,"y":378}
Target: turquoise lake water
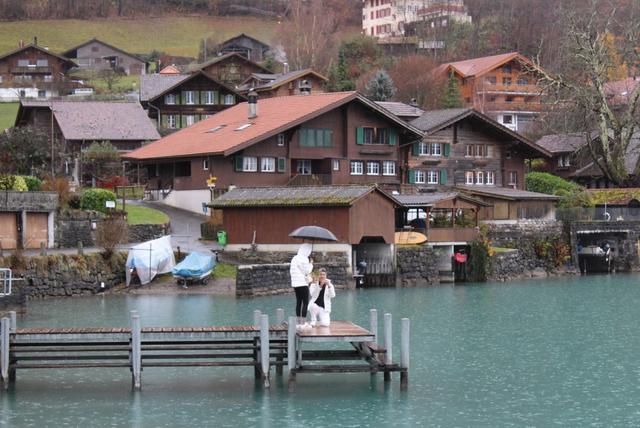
{"x":537,"y":353}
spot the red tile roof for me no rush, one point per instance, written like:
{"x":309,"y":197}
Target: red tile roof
{"x":170,"y":69}
{"x":225,"y":133}
{"x":479,"y":66}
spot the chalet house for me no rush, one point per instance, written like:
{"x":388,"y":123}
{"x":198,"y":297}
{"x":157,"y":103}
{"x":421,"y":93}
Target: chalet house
{"x":326,"y":138}
{"x":176,"y":100}
{"x":33,"y":72}
{"x":465,"y":150}
{"x":504,"y":87}
{"x":231,"y":68}
{"x":282,"y":84}
{"x":565,"y":151}
{"x":95,"y":54}
{"x":78,"y":124}
{"x":247,"y":46}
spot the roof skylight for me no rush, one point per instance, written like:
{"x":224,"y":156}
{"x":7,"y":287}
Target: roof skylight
{"x":217,"y":128}
{"x":241,"y":127}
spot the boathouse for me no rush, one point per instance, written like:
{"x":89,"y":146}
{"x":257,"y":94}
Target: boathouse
{"x":27,"y":219}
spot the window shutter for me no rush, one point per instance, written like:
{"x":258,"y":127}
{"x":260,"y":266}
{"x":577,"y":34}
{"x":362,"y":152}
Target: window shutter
{"x":393,"y":136}
{"x":359,"y":135}
{"x":282,"y":164}
{"x":200,"y":97}
{"x":412,"y":176}
{"x":216,"y":97}
{"x":163,"y":121}
{"x":447,"y":150}
{"x":443,"y":176}
{"x":328,"y":137}
{"x":183,"y":121}
{"x":303,"y":137}
{"x":415,"y":149}
{"x":239,"y":162}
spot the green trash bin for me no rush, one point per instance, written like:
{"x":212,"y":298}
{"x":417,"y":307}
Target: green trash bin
{"x":222,"y":237}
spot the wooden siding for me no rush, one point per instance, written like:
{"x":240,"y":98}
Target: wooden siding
{"x":8,"y":230}
{"x":232,"y":70}
{"x":37,"y":230}
{"x":372,"y":215}
{"x":292,"y":88}
{"x":11,"y":72}
{"x":92,"y":56}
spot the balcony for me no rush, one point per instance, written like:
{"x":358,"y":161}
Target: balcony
{"x":452,"y":234}
{"x":32,"y":70}
{"x":513,"y":89}
{"x":517,"y":106}
{"x":310,"y":180}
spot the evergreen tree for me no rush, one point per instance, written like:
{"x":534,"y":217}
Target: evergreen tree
{"x":338,"y":78}
{"x":380,"y":87}
{"x":452,"y":97}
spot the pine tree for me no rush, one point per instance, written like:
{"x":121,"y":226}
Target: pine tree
{"x":338,"y":79}
{"x":452,"y":97}
{"x":380,"y":87}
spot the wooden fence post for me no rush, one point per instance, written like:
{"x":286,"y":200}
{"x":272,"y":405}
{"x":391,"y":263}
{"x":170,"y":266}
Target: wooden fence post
{"x":264,"y":349}
{"x":404,"y":353}
{"x":291,"y":352}
{"x":136,"y":350}
{"x":388,"y":344}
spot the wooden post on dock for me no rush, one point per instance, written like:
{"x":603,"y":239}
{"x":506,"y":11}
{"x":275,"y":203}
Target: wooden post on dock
{"x":256,"y":353}
{"x":4,"y":351}
{"x":404,"y":353}
{"x":264,"y":349}
{"x":291,"y":352}
{"x":388,"y":344}
{"x":136,"y":350}
{"x":373,"y":321}
{"x":280,"y":357}
{"x":13,"y":323}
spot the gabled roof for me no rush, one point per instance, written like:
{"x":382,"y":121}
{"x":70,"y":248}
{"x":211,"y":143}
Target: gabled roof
{"x":480,"y":66}
{"x":41,"y":49}
{"x":507,"y":193}
{"x":436,"y":120}
{"x":95,"y":40}
{"x":98,"y":120}
{"x":334,"y":196}
{"x":277,"y":80}
{"x":170,"y":69}
{"x":230,"y":131}
{"x":242,"y":35}
{"x":562,"y":143}
{"x":632,"y":156}
{"x":153,"y":85}
{"x":235,"y":55}
{"x":431,"y":199}
{"x":179,"y":82}
{"x":401,"y":109}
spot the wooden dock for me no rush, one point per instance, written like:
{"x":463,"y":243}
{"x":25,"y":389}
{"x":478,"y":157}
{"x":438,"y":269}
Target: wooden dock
{"x":260,"y":345}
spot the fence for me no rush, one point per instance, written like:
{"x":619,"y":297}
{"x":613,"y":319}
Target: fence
{"x":5,"y":279}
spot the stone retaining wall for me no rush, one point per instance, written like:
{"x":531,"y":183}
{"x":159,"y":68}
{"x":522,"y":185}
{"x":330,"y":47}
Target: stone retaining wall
{"x":624,"y":235}
{"x":509,"y":233}
{"x":147,"y":232}
{"x":415,"y":266}
{"x":75,"y":226}
{"x":267,"y":279}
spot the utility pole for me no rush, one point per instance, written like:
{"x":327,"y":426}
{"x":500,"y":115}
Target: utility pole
{"x":53,"y":174}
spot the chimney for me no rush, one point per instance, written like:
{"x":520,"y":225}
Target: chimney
{"x":285,"y":67}
{"x":21,"y":44}
{"x":413,"y":102}
{"x":305,"y":87}
{"x":35,"y":41}
{"x":253,"y":104}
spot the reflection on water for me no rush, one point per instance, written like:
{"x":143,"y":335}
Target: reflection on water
{"x":534,"y":353}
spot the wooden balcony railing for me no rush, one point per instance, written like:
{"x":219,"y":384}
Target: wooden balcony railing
{"x":310,"y":180}
{"x":31,"y":70}
{"x":452,"y":234}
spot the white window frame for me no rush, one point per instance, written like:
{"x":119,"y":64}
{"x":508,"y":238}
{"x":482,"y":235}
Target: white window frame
{"x":423,"y":149}
{"x":388,"y":168}
{"x":190,"y":98}
{"x":171,"y":121}
{"x":490,"y":178}
{"x":373,"y":168}
{"x":419,"y":177}
{"x":229,"y":100}
{"x":469,"y":178}
{"x":513,"y":178}
{"x":268,"y":164}
{"x":190,"y":119}
{"x":336,"y":165}
{"x":280,"y":139}
{"x":306,"y":166}
{"x":47,"y":78}
{"x":208,"y":97}
{"x":470,"y":151}
{"x":205,"y":164}
{"x":23,"y":63}
{"x":249,"y":164}
{"x":432,"y":177}
{"x":479,"y":178}
{"x":436,"y":149}
{"x":356,"y":167}
{"x":563,"y":161}
{"x":42,"y":63}
{"x":170,"y":99}
{"x":365,"y":132}
{"x":480,"y":148}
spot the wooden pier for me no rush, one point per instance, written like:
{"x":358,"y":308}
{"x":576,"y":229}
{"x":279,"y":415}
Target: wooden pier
{"x":260,"y":345}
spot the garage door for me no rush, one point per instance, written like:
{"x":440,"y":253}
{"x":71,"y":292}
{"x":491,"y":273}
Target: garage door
{"x":8,"y":230}
{"x":37,"y":230}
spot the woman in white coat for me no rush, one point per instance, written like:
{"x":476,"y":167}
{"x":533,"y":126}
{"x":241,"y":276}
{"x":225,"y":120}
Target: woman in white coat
{"x":322,"y":292}
{"x":300,"y":271}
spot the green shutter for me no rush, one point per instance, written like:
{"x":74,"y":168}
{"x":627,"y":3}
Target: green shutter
{"x":282,"y":164}
{"x":183,"y":121}
{"x":393,"y":137}
{"x":359,"y":135}
{"x":200,"y":97}
{"x":239,"y":163}
{"x":216,"y":97}
{"x":163,"y":121}
{"x":303,"y":137}
{"x":412,"y":176}
{"x":447,"y":150}
{"x":415,"y":149}
{"x":443,"y":176}
{"x":328,"y":137}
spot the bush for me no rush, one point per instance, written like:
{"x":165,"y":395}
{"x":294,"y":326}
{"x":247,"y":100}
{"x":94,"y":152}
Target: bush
{"x":13,"y":182}
{"x":543,"y":182}
{"x":480,"y":257}
{"x":74,"y":201}
{"x":94,"y":199}
{"x":111,"y":232}
{"x":60,"y":185}
{"x":33,"y":183}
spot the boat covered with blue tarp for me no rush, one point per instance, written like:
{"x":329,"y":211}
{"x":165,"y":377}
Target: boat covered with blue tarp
{"x":196,"y":266}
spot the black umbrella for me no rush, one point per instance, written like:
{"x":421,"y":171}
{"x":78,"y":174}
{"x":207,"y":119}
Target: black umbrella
{"x":314,"y":233}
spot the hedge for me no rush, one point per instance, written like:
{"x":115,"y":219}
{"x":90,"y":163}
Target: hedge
{"x":13,"y":182}
{"x":94,"y":199}
{"x":543,"y":182}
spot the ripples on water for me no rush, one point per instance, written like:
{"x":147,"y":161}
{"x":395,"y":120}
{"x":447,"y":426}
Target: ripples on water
{"x":537,"y":353}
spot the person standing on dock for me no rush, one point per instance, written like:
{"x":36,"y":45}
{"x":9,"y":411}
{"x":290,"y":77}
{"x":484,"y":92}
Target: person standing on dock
{"x":300,"y":270}
{"x":322,"y":292}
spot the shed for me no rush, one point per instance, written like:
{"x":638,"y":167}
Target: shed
{"x":355,"y":214}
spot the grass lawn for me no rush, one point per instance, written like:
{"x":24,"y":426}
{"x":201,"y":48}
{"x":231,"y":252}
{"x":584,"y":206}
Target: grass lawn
{"x":502,"y":249}
{"x":122,"y":85}
{"x":143,"y":215}
{"x":223,"y":270}
{"x":180,"y":35}
{"x":8,"y":113}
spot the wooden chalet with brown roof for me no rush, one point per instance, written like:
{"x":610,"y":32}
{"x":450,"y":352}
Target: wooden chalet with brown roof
{"x":179,"y":100}
{"x":294,"y":140}
{"x":282,"y":84}
{"x":232,"y":68}
{"x":567,"y":156}
{"x":95,"y":54}
{"x":247,"y":46}
{"x":32,"y":71}
{"x":504,"y":87}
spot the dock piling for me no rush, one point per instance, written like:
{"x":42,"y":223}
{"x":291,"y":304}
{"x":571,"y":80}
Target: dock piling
{"x":291,"y":351}
{"x":280,"y":357}
{"x":404,"y":353}
{"x":136,"y":350}
{"x":12,"y":324}
{"x":373,"y":320}
{"x":264,"y":349}
{"x":388,"y":344}
{"x":4,"y":351}
{"x":257,"y":314}
{"x":279,"y":316}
